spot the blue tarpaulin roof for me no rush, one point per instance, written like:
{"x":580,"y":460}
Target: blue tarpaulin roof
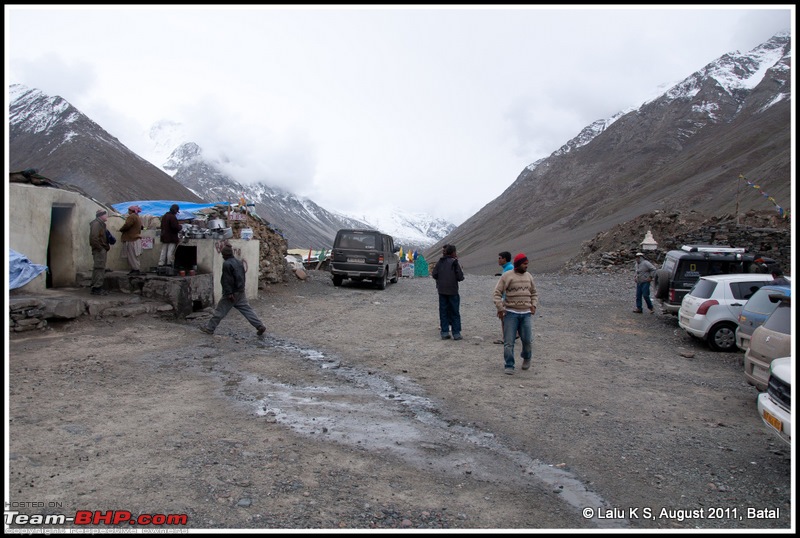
{"x":21,"y":270}
{"x":160,"y":207}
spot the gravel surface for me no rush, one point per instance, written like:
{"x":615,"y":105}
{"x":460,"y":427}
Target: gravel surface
{"x":352,"y":413}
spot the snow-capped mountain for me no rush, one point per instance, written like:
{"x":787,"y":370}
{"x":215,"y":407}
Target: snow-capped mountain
{"x":411,"y":230}
{"x":303,"y":222}
{"x":48,"y":134}
{"x":685,"y":149}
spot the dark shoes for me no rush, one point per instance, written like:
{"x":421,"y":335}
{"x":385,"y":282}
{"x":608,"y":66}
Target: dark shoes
{"x":446,"y":336}
{"x":206,"y":330}
{"x":456,"y":337}
{"x":261,"y":330}
{"x":637,"y":310}
{"x":99,"y":291}
{"x":509,"y":371}
{"x":526,"y":364}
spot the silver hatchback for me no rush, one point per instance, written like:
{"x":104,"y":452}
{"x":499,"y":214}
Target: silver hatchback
{"x":710,"y":311}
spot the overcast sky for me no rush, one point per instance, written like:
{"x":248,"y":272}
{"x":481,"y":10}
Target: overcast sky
{"x":430,"y":109}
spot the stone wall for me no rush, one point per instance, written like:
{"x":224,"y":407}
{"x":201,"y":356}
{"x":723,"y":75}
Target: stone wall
{"x":615,"y":249}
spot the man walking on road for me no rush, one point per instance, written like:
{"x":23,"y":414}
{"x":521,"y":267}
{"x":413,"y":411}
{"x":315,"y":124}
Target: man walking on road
{"x":233,"y":294}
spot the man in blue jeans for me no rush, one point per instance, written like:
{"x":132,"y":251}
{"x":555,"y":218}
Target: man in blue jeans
{"x":448,"y":273}
{"x":516,"y":299}
{"x":644,"y":273}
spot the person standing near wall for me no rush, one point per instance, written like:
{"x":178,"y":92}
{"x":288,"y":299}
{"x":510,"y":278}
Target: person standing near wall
{"x":169,"y":236}
{"x":132,"y":239}
{"x":98,"y":241}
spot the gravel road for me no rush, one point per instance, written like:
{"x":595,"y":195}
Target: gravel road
{"x":352,"y":413}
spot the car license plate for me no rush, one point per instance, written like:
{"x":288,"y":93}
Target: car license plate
{"x":760,"y":372}
{"x":355,"y":260}
{"x":684,"y":320}
{"x":773,"y":421}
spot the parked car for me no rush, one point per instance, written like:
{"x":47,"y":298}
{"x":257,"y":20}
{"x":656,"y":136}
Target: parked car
{"x":364,"y":255}
{"x":756,"y":311}
{"x":770,"y":341}
{"x":710,"y":311}
{"x":681,"y":269}
{"x":775,"y":405}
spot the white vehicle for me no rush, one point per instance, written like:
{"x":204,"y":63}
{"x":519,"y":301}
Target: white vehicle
{"x":775,"y":405}
{"x":710,"y":311}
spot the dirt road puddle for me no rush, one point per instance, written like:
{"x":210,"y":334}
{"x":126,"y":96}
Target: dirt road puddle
{"x":392,"y":416}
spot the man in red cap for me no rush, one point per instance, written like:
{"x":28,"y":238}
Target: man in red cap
{"x":516,"y":299}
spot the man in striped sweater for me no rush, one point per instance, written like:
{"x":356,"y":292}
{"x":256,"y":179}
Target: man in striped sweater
{"x":516,"y":299}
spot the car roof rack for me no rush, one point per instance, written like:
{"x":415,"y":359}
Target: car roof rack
{"x":714,"y":248}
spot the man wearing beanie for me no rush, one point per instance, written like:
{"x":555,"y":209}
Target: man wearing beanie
{"x":233,"y":294}
{"x":516,"y":298}
{"x":448,"y":273}
{"x":98,"y":241}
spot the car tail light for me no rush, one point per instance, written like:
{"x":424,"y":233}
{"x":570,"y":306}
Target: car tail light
{"x":703,"y":310}
{"x":380,"y":258}
{"x":672,"y":295}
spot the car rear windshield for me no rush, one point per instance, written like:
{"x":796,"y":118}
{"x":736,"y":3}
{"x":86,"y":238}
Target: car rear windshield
{"x":703,"y":289}
{"x":780,"y":320}
{"x":759,"y":303}
{"x":359,"y":241}
{"x":695,"y":268}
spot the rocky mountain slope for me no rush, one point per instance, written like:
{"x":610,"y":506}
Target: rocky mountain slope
{"x":684,"y":150}
{"x":48,"y":134}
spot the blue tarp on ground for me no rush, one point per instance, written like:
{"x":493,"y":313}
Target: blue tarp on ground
{"x":21,"y":270}
{"x":159,"y":207}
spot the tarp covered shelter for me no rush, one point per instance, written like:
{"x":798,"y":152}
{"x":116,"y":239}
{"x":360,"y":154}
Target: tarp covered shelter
{"x":188,"y":210}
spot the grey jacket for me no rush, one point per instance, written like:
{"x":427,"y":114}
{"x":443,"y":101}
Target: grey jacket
{"x":232,"y":279}
{"x":645,"y":271}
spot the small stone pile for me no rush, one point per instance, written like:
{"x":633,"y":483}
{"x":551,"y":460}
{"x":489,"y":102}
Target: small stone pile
{"x":26,"y":314}
{"x":273,"y":268}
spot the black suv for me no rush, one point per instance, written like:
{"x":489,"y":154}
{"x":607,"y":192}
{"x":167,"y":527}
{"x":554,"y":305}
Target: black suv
{"x":682,"y":268}
{"x":364,"y":255}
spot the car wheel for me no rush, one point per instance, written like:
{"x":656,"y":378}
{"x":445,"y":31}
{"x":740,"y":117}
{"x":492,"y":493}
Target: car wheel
{"x":381,"y":283}
{"x":722,"y":337}
{"x":337,"y":280}
{"x":661,"y":284}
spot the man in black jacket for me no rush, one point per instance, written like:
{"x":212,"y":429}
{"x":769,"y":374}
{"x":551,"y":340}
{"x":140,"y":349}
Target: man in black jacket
{"x":169,"y":236}
{"x":233,"y":294}
{"x":448,"y":273}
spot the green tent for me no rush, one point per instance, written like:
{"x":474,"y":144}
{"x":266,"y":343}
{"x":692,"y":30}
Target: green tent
{"x":420,"y":266}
